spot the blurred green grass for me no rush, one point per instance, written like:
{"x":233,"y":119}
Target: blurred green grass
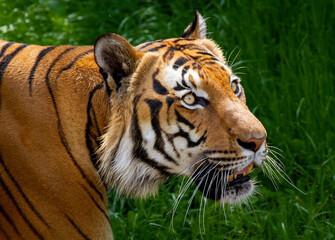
{"x":286,"y":54}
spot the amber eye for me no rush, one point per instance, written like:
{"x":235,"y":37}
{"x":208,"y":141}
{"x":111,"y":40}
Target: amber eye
{"x":234,"y":86}
{"x":189,"y":99}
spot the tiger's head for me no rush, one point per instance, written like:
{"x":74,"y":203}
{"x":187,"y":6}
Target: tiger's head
{"x":177,"y":109}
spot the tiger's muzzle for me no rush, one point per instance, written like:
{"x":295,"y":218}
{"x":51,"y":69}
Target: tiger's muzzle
{"x":223,"y":176}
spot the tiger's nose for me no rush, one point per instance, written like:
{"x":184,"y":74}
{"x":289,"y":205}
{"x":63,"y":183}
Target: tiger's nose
{"x":252,"y":144}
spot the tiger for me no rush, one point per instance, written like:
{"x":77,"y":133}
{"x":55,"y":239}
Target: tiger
{"x":77,"y":121}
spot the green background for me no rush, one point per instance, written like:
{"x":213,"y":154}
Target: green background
{"x":286,"y":54}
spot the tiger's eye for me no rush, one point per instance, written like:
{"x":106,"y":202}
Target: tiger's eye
{"x":234,"y":87}
{"x":189,"y":99}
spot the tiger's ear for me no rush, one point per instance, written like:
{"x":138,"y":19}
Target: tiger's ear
{"x":197,"y":29}
{"x":116,"y":57}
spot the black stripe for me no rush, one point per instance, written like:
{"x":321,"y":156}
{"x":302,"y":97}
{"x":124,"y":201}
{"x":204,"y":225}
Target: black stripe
{"x":212,"y":59}
{"x":169,"y":101}
{"x":9,"y":220}
{"x":56,"y":60}
{"x":184,"y":71}
{"x":31,"y":206}
{"x":179,"y":62}
{"x":6,"y":60}
{"x":184,"y":83}
{"x":77,"y":228}
{"x":227,"y":160}
{"x":158,"y":87}
{"x":183,"y":40}
{"x":189,"y":46}
{"x":170,"y":138}
{"x":209,"y":152}
{"x":168,"y":55}
{"x":67,"y":147}
{"x":4,"y":233}
{"x":38,"y":60}
{"x":7,"y":45}
{"x":202,"y":101}
{"x":89,"y":126}
{"x":211,"y":62}
{"x":179,"y":87}
{"x":96,"y":121}
{"x":181,"y":119}
{"x":103,"y":74}
{"x":150,"y":43}
{"x":9,"y":194}
{"x":190,"y":143}
{"x":156,"y":48}
{"x":95,"y":202}
{"x":205,"y":53}
{"x":105,"y":77}
{"x":182,"y":133}
{"x":197,"y":66}
{"x":73,"y":62}
{"x":61,"y":132}
{"x":146,"y":45}
{"x":155,"y":107}
{"x":138,"y":151}
{"x":190,"y":30}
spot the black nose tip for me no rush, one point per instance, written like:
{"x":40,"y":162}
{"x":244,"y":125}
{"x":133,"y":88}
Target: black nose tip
{"x":252,"y":144}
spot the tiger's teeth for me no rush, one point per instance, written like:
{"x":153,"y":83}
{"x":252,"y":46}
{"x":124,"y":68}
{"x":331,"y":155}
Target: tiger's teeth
{"x":245,"y":172}
{"x":250,"y":167}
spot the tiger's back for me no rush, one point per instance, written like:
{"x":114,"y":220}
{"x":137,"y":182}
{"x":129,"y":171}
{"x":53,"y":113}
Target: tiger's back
{"x":54,"y":104}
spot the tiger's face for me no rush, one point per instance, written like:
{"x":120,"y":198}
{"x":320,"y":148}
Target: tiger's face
{"x":177,"y":109}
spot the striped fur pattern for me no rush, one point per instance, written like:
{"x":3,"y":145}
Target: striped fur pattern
{"x":53,"y":107}
{"x":77,"y":119}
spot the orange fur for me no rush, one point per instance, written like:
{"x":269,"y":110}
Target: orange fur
{"x":45,"y":190}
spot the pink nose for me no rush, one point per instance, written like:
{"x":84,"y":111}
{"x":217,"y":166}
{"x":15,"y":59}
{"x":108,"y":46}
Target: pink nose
{"x":252,"y":144}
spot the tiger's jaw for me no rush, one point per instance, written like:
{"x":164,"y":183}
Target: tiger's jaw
{"x":225,"y":182}
{"x":223,"y":185}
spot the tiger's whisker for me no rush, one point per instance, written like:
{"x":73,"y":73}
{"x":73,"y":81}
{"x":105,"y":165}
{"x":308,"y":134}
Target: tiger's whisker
{"x":191,"y":199}
{"x":232,"y":64}
{"x":183,"y":190}
{"x":231,"y":53}
{"x":241,"y":67}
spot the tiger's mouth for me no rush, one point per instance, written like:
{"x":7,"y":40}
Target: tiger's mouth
{"x":224,"y":185}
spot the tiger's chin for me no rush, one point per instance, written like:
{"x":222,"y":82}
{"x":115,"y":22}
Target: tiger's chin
{"x":224,"y":186}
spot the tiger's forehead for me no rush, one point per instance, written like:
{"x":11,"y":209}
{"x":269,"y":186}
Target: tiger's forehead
{"x":195,"y":61}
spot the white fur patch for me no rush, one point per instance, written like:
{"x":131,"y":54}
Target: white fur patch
{"x":147,"y":132}
{"x":171,"y":76}
{"x":260,"y":155}
{"x":202,"y":27}
{"x":180,"y":143}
